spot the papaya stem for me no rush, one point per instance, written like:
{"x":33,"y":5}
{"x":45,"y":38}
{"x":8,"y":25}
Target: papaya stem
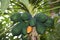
{"x":34,"y":35}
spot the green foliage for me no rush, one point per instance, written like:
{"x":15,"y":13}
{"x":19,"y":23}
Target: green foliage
{"x":0,"y":25}
{"x":57,"y":29}
{"x":24,"y":38}
{"x":53,"y":0}
{"x":57,"y":4}
{"x":57,"y":10}
{"x":4,"y":5}
{"x":3,"y":36}
{"x":40,"y":28}
{"x":31,"y":6}
{"x":54,"y":34}
{"x":34,"y":1}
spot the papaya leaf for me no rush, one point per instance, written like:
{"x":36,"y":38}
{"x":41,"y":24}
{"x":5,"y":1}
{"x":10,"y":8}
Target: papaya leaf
{"x":27,"y":5}
{"x":55,"y":34}
{"x":4,"y":5}
{"x":25,"y":2}
{"x":0,"y":4}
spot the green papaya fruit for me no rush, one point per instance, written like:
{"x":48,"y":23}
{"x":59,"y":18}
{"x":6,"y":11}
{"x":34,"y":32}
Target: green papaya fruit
{"x":40,"y":28}
{"x":16,"y":30}
{"x":32,"y":22}
{"x":49,"y":22}
{"x":16,"y":17}
{"x":40,"y":17}
{"x":26,"y":16}
{"x":24,"y":29}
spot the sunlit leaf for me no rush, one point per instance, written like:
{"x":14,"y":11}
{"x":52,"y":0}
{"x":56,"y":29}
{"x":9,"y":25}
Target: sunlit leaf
{"x":4,"y":5}
{"x":25,"y":2}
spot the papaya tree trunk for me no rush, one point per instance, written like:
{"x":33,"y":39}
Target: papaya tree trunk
{"x":34,"y":35}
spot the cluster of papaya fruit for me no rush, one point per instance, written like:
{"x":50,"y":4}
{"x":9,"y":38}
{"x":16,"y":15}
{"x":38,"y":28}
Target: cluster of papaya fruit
{"x":25,"y":23}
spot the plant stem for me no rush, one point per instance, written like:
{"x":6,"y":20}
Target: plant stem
{"x":34,"y":35}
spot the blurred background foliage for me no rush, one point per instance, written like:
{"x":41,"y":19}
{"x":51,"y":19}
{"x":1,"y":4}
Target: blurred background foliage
{"x":48,"y":7}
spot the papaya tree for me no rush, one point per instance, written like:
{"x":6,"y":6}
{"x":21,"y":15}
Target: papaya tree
{"x":29,"y":19}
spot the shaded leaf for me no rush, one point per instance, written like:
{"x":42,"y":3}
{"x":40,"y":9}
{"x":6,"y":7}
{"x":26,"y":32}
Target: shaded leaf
{"x":55,"y":34}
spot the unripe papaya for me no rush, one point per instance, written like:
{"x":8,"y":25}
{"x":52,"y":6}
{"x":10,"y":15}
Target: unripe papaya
{"x":24,"y":29}
{"x":16,"y":17}
{"x":26,"y":16}
{"x":40,"y":17}
{"x":40,"y":28}
{"x":49,"y":22}
{"x":16,"y":30}
{"x":32,"y":22}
